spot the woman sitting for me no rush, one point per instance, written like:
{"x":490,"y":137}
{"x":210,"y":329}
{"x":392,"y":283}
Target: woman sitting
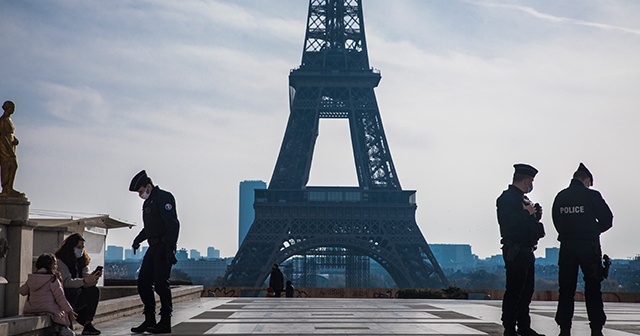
{"x":78,"y":282}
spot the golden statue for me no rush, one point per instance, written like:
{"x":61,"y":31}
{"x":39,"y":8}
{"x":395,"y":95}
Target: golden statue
{"x":8,"y":143}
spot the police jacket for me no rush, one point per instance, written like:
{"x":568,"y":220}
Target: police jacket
{"x":580,"y":213}
{"x":160,"y":219}
{"x":516,"y":224}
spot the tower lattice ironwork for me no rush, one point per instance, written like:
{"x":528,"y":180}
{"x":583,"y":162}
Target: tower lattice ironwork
{"x":375,"y":219}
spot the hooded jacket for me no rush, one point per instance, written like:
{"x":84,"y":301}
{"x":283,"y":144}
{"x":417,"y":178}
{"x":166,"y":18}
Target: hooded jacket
{"x":45,"y":295}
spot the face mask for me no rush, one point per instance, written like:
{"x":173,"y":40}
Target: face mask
{"x":145,"y":194}
{"x":78,"y":252}
{"x":530,"y":188}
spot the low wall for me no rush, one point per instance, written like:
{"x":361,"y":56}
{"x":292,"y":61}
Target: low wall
{"x":226,"y":291}
{"x":107,"y":310}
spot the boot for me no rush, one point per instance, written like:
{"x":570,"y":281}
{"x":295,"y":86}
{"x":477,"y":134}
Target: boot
{"x":528,"y":332}
{"x":163,"y":327}
{"x":149,"y":322}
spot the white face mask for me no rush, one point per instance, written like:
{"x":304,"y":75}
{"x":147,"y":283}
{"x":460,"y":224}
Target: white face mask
{"x":145,"y":194}
{"x":78,"y":252}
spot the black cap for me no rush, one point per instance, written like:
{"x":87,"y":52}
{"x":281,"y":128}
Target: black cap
{"x":525,"y":169}
{"x":141,"y":179}
{"x":583,"y":168}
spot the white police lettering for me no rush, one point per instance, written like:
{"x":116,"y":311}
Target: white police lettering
{"x":572,"y":209}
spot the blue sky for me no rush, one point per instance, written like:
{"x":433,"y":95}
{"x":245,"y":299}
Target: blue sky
{"x":195,"y":92}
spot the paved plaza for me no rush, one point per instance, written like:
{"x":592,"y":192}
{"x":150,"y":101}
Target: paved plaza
{"x":308,"y":316}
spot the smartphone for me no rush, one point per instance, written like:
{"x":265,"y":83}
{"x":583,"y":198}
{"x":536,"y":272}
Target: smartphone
{"x":98,"y":269}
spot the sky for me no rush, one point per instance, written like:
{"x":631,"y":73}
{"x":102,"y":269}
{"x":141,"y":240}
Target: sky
{"x":196,"y":93}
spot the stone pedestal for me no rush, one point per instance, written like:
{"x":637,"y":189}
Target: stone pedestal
{"x":17,"y":264}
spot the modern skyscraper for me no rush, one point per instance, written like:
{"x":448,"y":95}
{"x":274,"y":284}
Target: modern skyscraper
{"x":213,"y":253}
{"x":194,"y":254}
{"x":114,"y":253}
{"x":247,"y":214}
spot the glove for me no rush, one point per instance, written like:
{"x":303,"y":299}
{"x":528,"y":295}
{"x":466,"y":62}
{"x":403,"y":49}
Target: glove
{"x":171,"y":257}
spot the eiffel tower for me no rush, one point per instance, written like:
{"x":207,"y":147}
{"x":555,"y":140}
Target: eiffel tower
{"x":375,"y":219}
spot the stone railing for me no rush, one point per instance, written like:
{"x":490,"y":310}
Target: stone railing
{"x":227,"y":291}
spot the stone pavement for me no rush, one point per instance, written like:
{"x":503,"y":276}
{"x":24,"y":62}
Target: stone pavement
{"x":309,"y":316}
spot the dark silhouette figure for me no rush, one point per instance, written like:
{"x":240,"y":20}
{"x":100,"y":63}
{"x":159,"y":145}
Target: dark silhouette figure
{"x":288,"y":291}
{"x":276,"y":281}
{"x":580,"y":215}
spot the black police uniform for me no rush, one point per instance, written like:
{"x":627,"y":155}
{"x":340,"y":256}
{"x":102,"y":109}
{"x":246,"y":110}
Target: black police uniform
{"x":579,"y":215}
{"x":161,"y":228}
{"x":520,"y":233}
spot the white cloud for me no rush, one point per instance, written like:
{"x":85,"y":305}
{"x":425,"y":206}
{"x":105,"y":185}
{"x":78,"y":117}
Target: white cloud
{"x":556,"y":19}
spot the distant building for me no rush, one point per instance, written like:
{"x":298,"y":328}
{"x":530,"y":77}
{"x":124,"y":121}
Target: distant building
{"x":213,"y":253}
{"x":114,"y":253}
{"x":247,"y":214}
{"x":128,"y":254}
{"x":454,"y":256}
{"x":551,"y":256}
{"x":194,"y":254}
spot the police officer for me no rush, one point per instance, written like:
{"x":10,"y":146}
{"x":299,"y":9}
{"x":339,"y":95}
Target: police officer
{"x":580,"y":215}
{"x":520,"y":229}
{"x":161,"y":228}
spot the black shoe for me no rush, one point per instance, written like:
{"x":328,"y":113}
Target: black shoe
{"x":89,"y":329}
{"x":145,"y":326}
{"x":149,"y":322}
{"x":163,"y":327}
{"x":528,"y":332}
{"x":510,"y":332}
{"x":596,"y":332}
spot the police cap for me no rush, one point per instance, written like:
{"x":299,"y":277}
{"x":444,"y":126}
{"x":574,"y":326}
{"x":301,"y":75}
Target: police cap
{"x":525,"y":169}
{"x":140,"y":180}
{"x":583,"y":168}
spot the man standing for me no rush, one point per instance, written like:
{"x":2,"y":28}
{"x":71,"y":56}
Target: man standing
{"x":161,"y":228}
{"x":276,"y":280}
{"x":520,"y":229}
{"x":580,"y":215}
{"x":8,"y":143}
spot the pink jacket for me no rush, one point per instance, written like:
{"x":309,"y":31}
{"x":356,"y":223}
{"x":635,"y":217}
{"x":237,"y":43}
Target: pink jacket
{"x":46,"y":296}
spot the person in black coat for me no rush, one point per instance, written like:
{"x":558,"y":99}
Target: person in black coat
{"x":520,"y":229}
{"x":289,"y":290}
{"x":161,"y":228}
{"x":580,"y":215}
{"x":276,"y":281}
